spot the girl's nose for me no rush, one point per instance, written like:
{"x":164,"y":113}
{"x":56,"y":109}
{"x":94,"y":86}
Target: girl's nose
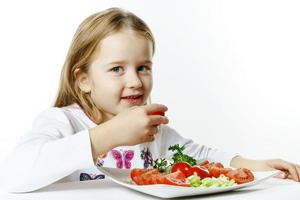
{"x":133,"y":80}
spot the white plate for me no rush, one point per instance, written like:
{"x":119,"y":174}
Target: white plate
{"x":122,"y":177}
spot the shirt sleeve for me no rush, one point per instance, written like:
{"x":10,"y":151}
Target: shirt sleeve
{"x":49,"y":152}
{"x":169,"y":136}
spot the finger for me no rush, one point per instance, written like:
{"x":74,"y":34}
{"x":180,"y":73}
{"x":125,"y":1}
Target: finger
{"x":298,"y":171}
{"x":282,"y":175}
{"x":150,"y":138}
{"x":153,"y":130}
{"x":150,"y":108}
{"x":291,"y":169}
{"x":157,"y":120}
{"x":294,"y":173}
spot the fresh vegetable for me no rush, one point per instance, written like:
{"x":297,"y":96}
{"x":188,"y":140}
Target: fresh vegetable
{"x":209,"y":165}
{"x":241,"y":175}
{"x":204,"y":163}
{"x":145,"y":176}
{"x":184,"y":167}
{"x":157,"y":113}
{"x":161,"y":164}
{"x":183,"y":171}
{"x":176,"y":178}
{"x":198,"y":171}
{"x":180,"y":156}
{"x":194,"y":181}
{"x":217,"y":171}
{"x":148,"y":177}
{"x":221,"y":181}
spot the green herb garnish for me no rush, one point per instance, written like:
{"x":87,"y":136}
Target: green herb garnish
{"x":179,"y":156}
{"x":161,"y":164}
{"x":164,"y":166}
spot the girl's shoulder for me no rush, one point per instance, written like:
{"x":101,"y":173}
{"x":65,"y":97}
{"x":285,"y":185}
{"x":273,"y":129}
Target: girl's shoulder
{"x":57,"y":114}
{"x":68,"y":117}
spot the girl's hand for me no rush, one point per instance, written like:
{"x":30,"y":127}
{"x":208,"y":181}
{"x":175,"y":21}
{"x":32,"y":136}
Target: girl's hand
{"x":136,"y":125}
{"x":289,"y":170}
{"x":133,"y":126}
{"x":130,"y":127}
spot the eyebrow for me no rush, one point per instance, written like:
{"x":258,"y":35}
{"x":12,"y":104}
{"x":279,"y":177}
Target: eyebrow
{"x":123,"y":62}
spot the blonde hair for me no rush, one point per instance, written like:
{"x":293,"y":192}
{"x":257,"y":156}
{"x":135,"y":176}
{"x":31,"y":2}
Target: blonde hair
{"x":85,"y":41}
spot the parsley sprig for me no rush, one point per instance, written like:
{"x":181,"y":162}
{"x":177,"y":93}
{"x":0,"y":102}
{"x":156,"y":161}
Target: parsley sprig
{"x":179,"y":156}
{"x":162,"y":164}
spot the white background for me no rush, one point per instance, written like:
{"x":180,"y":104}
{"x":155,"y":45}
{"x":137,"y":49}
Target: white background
{"x":227,"y":70}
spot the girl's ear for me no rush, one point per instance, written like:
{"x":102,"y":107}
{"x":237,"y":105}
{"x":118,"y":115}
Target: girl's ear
{"x":83,"y":80}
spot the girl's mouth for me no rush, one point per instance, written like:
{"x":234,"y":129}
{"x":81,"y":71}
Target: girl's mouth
{"x":133,"y":99}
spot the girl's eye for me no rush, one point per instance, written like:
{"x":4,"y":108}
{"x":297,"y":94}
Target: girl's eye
{"x":117,"y":69}
{"x":144,"y":68}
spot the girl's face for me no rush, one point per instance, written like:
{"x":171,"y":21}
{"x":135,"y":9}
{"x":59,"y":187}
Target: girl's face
{"x":120,"y":75}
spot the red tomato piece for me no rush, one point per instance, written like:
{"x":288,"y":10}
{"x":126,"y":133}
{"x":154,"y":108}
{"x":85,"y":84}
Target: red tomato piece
{"x":241,"y":175}
{"x":153,"y":176}
{"x":208,"y":165}
{"x":176,"y":175}
{"x":157,"y":113}
{"x":181,"y":166}
{"x":158,"y":178}
{"x":217,"y":171}
{"x":176,"y":178}
{"x":204,"y":163}
{"x":198,"y":171}
{"x":143,"y":176}
{"x":137,"y":172}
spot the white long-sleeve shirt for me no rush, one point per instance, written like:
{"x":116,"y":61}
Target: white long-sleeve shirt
{"x":58,"y":149}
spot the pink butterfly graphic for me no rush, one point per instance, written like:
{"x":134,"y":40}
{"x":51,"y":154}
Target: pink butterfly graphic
{"x":123,"y":158}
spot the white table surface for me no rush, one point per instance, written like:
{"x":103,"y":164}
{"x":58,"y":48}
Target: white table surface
{"x":273,"y":188}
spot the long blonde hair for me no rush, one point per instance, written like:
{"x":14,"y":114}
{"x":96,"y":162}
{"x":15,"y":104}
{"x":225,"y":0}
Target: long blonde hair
{"x":85,"y":41}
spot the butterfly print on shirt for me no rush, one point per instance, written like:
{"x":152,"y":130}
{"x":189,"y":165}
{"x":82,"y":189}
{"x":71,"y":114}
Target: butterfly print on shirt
{"x":147,"y":157}
{"x":99,"y":162}
{"x":86,"y":177}
{"x":123,"y":158}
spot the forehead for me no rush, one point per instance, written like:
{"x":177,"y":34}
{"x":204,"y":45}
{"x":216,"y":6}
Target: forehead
{"x":124,"y":46}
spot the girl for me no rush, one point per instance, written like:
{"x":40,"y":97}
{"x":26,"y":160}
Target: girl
{"x":101,"y":114}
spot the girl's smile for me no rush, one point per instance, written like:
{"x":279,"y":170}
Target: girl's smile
{"x":133,"y":100}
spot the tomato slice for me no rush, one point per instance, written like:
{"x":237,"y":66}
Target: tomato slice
{"x":137,"y":172}
{"x":153,"y":176}
{"x":217,"y":164}
{"x":157,"y":113}
{"x":181,"y":166}
{"x":208,"y":165}
{"x":176,"y":178}
{"x":149,"y":179}
{"x":217,"y":171}
{"x":143,"y":176}
{"x":241,"y":175}
{"x":198,"y":171}
{"x":204,"y":163}
{"x":158,"y":179}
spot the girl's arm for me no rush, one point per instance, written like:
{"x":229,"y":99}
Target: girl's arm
{"x":290,"y":170}
{"x":49,"y":152}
